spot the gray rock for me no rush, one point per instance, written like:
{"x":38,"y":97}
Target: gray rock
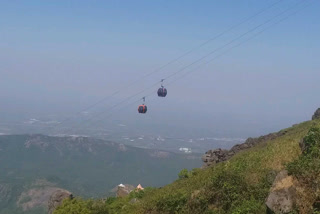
{"x":316,"y":114}
{"x":212,"y":157}
{"x":282,"y":196}
{"x":124,"y":190}
{"x":57,"y":198}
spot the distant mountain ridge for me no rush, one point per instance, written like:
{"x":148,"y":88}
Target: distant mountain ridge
{"x":35,"y":165}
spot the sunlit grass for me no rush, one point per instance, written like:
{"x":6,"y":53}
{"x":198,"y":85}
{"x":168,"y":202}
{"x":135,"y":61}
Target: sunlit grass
{"x":239,"y":185}
{"x":254,"y":164}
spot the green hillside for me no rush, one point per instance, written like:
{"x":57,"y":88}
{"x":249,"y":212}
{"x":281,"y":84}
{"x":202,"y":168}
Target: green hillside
{"x":239,"y":185}
{"x":33,"y":166}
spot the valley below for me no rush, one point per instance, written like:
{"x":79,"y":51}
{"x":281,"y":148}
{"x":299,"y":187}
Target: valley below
{"x":34,"y":166}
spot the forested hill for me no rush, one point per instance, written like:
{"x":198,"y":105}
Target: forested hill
{"x":33,"y":166}
{"x":279,"y":174}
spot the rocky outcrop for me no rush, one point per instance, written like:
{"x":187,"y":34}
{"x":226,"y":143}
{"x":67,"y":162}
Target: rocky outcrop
{"x":219,"y":155}
{"x":57,"y":198}
{"x":298,"y":192}
{"x":38,"y":196}
{"x":215,"y":156}
{"x":124,"y":190}
{"x":316,"y":114}
{"x":283,"y":194}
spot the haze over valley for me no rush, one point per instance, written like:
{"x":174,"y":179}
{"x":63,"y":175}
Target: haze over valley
{"x":139,"y":107}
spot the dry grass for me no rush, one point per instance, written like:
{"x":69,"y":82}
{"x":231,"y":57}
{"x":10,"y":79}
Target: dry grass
{"x":254,"y":163}
{"x":239,"y":185}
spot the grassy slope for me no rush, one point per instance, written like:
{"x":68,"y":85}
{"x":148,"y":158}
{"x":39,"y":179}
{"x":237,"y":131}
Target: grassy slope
{"x":221,"y":186}
{"x":239,"y":185}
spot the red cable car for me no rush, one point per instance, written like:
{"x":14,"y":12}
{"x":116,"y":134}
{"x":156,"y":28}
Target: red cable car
{"x":142,"y":109}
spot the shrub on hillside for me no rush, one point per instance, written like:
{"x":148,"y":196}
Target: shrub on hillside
{"x":171,"y":203}
{"x":183,"y":174}
{"x":307,"y":166}
{"x":80,"y":206}
{"x":306,"y":169}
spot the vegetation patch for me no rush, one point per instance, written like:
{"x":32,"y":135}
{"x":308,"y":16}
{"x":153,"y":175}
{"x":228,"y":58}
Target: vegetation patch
{"x":239,"y":185}
{"x":306,"y":169}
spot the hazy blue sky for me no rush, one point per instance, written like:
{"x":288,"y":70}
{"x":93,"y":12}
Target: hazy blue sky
{"x":57,"y":57}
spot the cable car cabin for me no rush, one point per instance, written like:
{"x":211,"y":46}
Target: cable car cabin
{"x":142,"y":109}
{"x":162,"y":92}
